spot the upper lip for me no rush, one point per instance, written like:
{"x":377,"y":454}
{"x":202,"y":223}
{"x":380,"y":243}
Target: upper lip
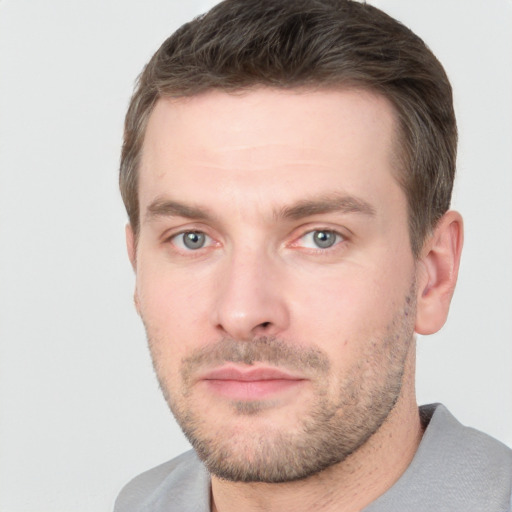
{"x":248,"y":375}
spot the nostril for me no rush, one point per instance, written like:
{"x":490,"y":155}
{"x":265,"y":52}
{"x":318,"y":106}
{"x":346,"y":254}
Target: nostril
{"x":264,"y":325}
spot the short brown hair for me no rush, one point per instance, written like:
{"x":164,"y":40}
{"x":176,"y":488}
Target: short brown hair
{"x":241,"y":44}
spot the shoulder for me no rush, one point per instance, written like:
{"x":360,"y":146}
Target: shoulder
{"x":466,"y":466}
{"x":446,"y":435}
{"x":181,"y":484}
{"x":476,"y":463}
{"x":455,"y":468}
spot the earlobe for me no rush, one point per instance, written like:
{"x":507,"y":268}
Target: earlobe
{"x":437,"y":273}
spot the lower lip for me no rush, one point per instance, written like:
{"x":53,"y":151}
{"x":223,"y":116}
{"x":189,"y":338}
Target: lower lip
{"x":251,"y":390}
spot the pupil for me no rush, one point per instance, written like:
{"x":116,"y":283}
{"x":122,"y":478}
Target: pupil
{"x":193,"y":240}
{"x":324,"y":239}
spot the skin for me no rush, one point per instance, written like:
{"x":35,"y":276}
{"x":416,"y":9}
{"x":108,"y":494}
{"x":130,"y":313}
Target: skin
{"x":258,"y":172}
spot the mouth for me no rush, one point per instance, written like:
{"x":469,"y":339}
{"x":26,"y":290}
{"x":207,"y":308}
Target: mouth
{"x":253,"y":383}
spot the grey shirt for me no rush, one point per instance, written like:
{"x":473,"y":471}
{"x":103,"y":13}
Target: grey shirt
{"x":456,"y":468}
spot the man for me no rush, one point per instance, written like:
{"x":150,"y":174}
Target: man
{"x":287,"y":170}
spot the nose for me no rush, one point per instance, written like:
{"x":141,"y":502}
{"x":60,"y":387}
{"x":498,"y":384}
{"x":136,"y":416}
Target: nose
{"x":250,"y":299}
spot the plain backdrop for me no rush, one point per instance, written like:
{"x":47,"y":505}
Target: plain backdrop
{"x":80,"y":410}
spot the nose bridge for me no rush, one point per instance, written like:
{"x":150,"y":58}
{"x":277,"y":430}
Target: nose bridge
{"x":249,"y":301}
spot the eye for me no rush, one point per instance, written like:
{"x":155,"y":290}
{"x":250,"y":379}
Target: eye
{"x":191,"y":240}
{"x":320,"y":239}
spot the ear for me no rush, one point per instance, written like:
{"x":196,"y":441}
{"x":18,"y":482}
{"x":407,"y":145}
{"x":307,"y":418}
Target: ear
{"x":438,"y":269}
{"x":131,"y":247}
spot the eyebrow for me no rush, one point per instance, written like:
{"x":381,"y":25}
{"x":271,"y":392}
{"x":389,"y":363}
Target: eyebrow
{"x":170,"y":208}
{"x":334,"y":203}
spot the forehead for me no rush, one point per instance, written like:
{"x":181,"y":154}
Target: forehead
{"x":266,"y":142}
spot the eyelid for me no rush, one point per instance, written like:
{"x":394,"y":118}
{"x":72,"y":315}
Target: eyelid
{"x":171,"y":235}
{"x":309,"y":230}
{"x":188,"y":227}
{"x":177,"y":241}
{"x":343,"y":235}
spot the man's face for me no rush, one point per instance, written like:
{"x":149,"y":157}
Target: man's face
{"x":274,"y":275}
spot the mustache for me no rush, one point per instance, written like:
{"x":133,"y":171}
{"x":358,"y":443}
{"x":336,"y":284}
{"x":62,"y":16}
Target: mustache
{"x":265,"y":349}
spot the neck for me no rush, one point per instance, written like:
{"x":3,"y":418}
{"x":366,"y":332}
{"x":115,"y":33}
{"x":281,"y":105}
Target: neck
{"x":348,"y":486}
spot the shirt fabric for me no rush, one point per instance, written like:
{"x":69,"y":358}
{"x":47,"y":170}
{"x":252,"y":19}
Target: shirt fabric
{"x":455,"y":469}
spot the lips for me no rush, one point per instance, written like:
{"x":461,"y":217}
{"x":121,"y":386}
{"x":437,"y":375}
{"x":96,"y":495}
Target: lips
{"x":248,"y":375}
{"x":251,"y":383}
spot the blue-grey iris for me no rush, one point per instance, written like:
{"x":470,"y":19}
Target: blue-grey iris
{"x":324,"y":239}
{"x":193,"y":240}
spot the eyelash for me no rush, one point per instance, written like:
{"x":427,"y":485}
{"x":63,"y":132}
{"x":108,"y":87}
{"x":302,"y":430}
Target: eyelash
{"x":171,"y":240}
{"x":340,"y":238}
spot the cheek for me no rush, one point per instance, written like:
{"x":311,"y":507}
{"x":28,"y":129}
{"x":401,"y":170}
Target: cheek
{"x":349,"y":307}
{"x":173,"y":308}
{"x":169,"y":312}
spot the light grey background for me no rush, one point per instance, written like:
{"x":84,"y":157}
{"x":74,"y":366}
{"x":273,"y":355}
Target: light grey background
{"x":80,"y":411}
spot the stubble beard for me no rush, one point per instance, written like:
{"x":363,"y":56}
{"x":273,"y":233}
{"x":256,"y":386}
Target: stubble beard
{"x":333,"y":427}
